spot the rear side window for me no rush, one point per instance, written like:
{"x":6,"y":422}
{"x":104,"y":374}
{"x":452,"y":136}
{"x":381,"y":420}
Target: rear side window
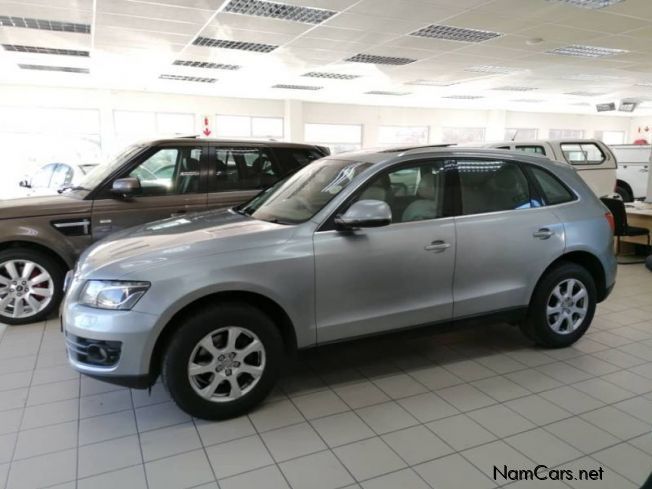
{"x":583,"y":153}
{"x":554,"y":192}
{"x":240,"y":168}
{"x":295,"y":158}
{"x":534,"y":149}
{"x":491,"y":186}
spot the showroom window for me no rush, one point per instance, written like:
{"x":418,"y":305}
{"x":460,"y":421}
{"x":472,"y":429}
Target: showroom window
{"x":463,"y":135}
{"x":244,"y":126}
{"x":338,"y":137}
{"x":521,"y":134}
{"x":393,"y":135}
{"x":611,"y":137}
{"x":492,"y":186}
{"x":131,"y":126}
{"x":245,"y":169}
{"x":51,"y":135}
{"x":170,"y":171}
{"x":566,"y":134}
{"x":413,"y":194}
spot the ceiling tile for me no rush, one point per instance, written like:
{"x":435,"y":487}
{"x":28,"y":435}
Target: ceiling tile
{"x":375,"y":23}
{"x":43,"y":12}
{"x":423,"y":12}
{"x":262,"y":24}
{"x":224,"y":32}
{"x":154,"y":11}
{"x":140,"y":23}
{"x":554,"y":32}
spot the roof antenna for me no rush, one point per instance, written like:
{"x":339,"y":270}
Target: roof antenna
{"x":515,"y":134}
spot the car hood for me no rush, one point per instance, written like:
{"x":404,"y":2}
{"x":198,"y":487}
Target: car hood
{"x":43,"y":205}
{"x":162,"y":243}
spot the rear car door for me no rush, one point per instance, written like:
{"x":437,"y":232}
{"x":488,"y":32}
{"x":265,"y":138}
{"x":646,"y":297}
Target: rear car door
{"x":173,"y":183}
{"x":378,"y":279}
{"x":236,"y":173}
{"x":506,"y":238}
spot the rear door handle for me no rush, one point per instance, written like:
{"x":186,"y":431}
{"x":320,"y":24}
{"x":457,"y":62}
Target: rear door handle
{"x":438,"y":246}
{"x":543,"y":233}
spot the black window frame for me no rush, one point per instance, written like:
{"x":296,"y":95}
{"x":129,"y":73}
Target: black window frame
{"x":527,"y":167}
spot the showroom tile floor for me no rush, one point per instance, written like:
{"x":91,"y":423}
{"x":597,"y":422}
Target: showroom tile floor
{"x":409,"y":411}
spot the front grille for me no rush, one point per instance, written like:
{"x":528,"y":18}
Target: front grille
{"x":98,"y":353}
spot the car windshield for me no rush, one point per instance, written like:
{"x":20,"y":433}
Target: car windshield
{"x":96,"y":175}
{"x":300,"y":196}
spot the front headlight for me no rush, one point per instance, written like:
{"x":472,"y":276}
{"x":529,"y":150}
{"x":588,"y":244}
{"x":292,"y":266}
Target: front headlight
{"x":112,"y":294}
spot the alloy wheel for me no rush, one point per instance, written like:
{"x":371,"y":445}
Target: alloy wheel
{"x":567,"y":306}
{"x":26,"y":288}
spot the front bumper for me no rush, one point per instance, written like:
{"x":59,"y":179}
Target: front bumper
{"x":127,"y":335}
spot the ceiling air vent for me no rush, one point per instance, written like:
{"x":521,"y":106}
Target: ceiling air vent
{"x":379,"y":60}
{"x":204,"y":64}
{"x":243,"y":46}
{"x":331,"y":76}
{"x":307,"y":15}
{"x":296,"y":87}
{"x":198,"y":79}
{"x":581,"y":51}
{"x":43,"y":24}
{"x":39,"y":50}
{"x":450,"y":33}
{"x":64,"y":69}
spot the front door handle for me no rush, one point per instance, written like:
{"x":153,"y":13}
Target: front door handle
{"x":438,"y":246}
{"x":543,"y":233}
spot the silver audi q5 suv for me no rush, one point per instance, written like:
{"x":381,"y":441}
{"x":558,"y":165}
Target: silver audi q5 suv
{"x":351,"y":245}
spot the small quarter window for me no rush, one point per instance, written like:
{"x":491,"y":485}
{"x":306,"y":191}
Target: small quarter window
{"x":554,"y":192}
{"x":534,"y":149}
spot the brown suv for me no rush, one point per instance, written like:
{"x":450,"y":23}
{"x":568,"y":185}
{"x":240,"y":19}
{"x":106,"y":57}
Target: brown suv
{"x":41,"y":237}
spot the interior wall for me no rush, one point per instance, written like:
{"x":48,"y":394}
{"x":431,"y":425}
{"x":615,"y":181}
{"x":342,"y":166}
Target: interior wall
{"x":297,"y":113}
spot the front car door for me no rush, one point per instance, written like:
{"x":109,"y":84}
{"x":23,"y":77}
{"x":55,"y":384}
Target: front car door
{"x":506,"y":237}
{"x":172,"y":182}
{"x":377,"y":279}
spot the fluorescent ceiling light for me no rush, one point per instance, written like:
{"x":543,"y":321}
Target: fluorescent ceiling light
{"x":197,"y":79}
{"x":528,"y":100}
{"x":581,"y":93}
{"x":204,"y":64}
{"x":432,"y":83}
{"x":508,"y":88}
{"x":65,"y":69}
{"x":497,"y":70}
{"x":592,"y":77}
{"x":331,"y":76}
{"x":464,"y":97}
{"x":385,"y":92}
{"x":581,"y":51}
{"x":225,"y":44}
{"x":627,"y":106}
{"x":592,"y":4}
{"x":296,"y":87}
{"x":379,"y":60}
{"x":44,"y":24}
{"x":39,"y":50}
{"x":450,"y":33}
{"x":606,"y":107}
{"x":307,"y":15}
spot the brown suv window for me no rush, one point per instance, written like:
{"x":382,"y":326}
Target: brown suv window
{"x":170,"y":171}
{"x":245,"y":169}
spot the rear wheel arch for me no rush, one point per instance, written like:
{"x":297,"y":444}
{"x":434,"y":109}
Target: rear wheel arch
{"x":65,"y":264}
{"x":590,"y":263}
{"x":263,"y":303}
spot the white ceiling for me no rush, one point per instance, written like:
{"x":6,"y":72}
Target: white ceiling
{"x":132,"y":42}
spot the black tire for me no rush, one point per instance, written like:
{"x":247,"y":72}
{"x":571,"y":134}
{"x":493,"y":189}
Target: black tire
{"x":536,"y":325}
{"x":624,"y":193}
{"x":52,"y":266}
{"x":197,"y":326}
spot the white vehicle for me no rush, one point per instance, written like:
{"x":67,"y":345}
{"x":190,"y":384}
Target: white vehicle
{"x":593,"y":159}
{"x":48,"y":179}
{"x":633,"y":169}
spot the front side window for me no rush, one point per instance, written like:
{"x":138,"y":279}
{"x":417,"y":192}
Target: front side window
{"x":492,"y":186}
{"x":170,"y":171}
{"x":413,"y":193}
{"x":299,"y":197}
{"x":245,"y":169}
{"x":62,"y":176}
{"x":582,"y":153}
{"x":554,"y":192}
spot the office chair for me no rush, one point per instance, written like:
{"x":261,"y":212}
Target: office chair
{"x":617,"y":208}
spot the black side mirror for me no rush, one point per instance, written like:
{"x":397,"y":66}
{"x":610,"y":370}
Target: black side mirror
{"x":126,"y":187}
{"x":24,"y":183}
